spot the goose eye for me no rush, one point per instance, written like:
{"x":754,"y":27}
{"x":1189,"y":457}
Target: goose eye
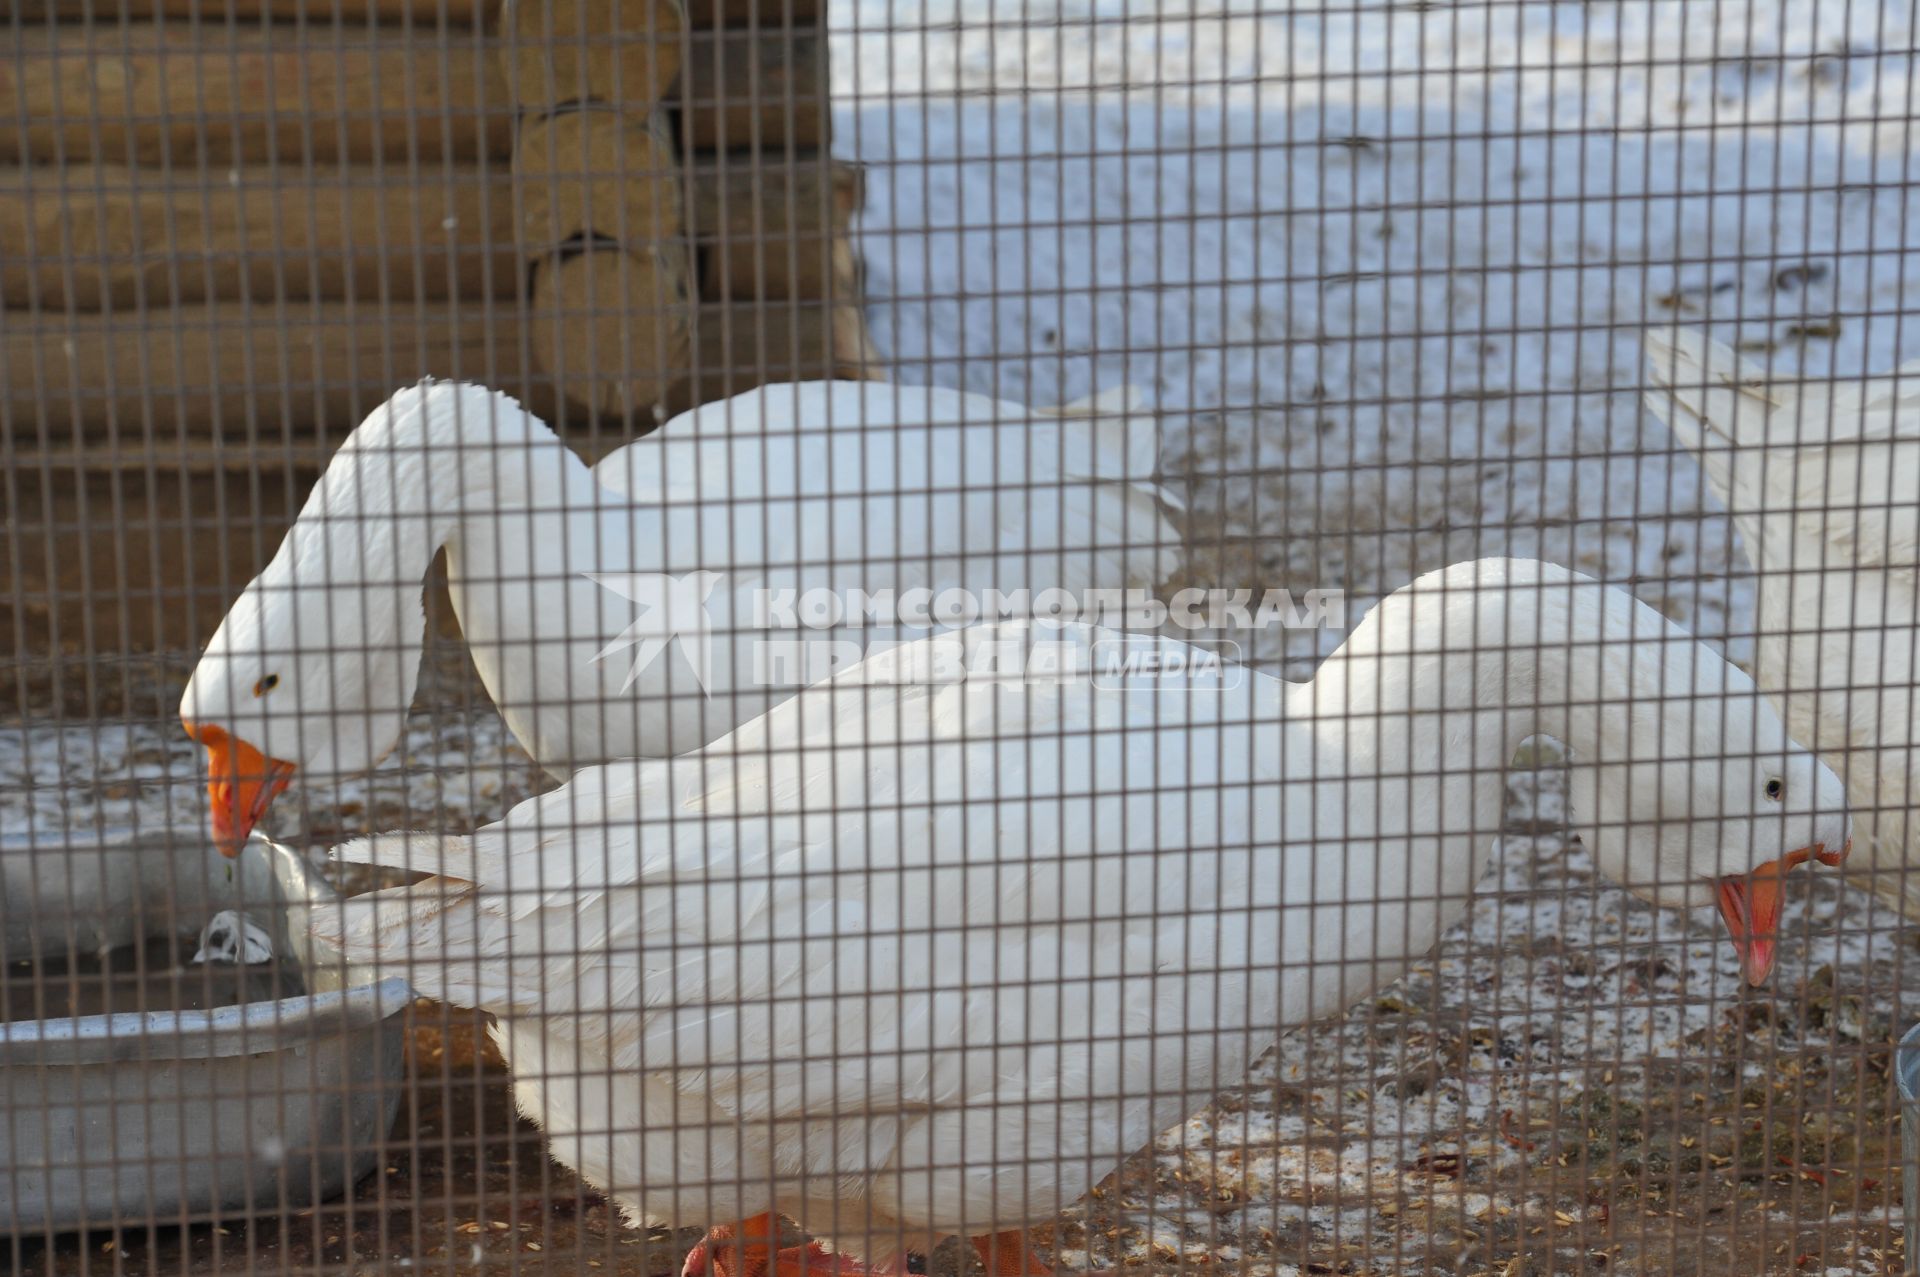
{"x":1776,"y":789}
{"x":266,"y":685}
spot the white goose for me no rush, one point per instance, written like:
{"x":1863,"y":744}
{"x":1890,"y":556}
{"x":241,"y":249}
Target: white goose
{"x":903,"y":960}
{"x":1823,"y":482}
{"x":839,"y":486}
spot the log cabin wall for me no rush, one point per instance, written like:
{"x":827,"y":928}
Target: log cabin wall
{"x":230,"y":228}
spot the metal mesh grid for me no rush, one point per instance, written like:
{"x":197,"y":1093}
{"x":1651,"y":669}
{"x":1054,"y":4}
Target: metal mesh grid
{"x":1398,"y":289}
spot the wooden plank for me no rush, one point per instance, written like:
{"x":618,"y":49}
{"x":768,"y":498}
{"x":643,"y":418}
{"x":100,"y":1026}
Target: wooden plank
{"x":800,"y":266}
{"x":610,"y":328}
{"x":85,"y":237}
{"x":622,"y":53}
{"x":724,"y":185}
{"x":738,"y":346}
{"x":596,"y":173}
{"x":223,"y":235}
{"x":705,"y":14}
{"x":168,"y":92}
{"x":777,"y":232}
{"x":281,"y":375}
{"x":350,"y":13}
{"x":283,"y":385}
{"x":762,"y":89}
{"x":189,"y":456}
{"x":116,"y":567}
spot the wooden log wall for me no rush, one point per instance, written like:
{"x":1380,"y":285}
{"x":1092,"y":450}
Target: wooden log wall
{"x":233,"y":227}
{"x":597,"y":177}
{"x":579,"y":186}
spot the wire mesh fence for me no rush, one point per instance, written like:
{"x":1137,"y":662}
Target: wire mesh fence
{"x":751,"y":637}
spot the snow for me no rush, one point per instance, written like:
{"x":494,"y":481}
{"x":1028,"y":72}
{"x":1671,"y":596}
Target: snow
{"x":1418,"y":236}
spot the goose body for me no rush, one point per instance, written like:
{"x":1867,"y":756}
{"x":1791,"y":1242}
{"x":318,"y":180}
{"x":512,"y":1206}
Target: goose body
{"x":1823,"y":483}
{"x":916,"y":955}
{"x":588,"y":597}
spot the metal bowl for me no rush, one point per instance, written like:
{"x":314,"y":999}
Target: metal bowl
{"x":170,"y":1116}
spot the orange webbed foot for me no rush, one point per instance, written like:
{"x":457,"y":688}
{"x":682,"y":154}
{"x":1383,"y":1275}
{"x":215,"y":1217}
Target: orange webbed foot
{"x":748,"y":1251}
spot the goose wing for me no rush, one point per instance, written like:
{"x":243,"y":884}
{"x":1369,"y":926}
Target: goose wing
{"x":878,"y":900}
{"x":1839,"y":462}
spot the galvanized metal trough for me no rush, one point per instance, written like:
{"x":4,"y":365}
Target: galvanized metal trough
{"x":172,"y":1116}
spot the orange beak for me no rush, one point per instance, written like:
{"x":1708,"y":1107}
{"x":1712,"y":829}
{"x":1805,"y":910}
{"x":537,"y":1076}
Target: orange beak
{"x":241,"y":781}
{"x":1751,"y":906}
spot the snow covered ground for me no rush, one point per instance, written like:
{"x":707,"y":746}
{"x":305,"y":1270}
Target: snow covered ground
{"x":1383,"y":265}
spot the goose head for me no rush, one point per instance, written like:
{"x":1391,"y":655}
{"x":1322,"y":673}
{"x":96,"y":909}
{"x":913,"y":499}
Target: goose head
{"x":313,"y":668}
{"x":311,"y":671}
{"x":1704,"y":800}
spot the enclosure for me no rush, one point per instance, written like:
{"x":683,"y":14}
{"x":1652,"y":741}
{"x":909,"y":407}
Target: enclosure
{"x":1397,"y":285}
